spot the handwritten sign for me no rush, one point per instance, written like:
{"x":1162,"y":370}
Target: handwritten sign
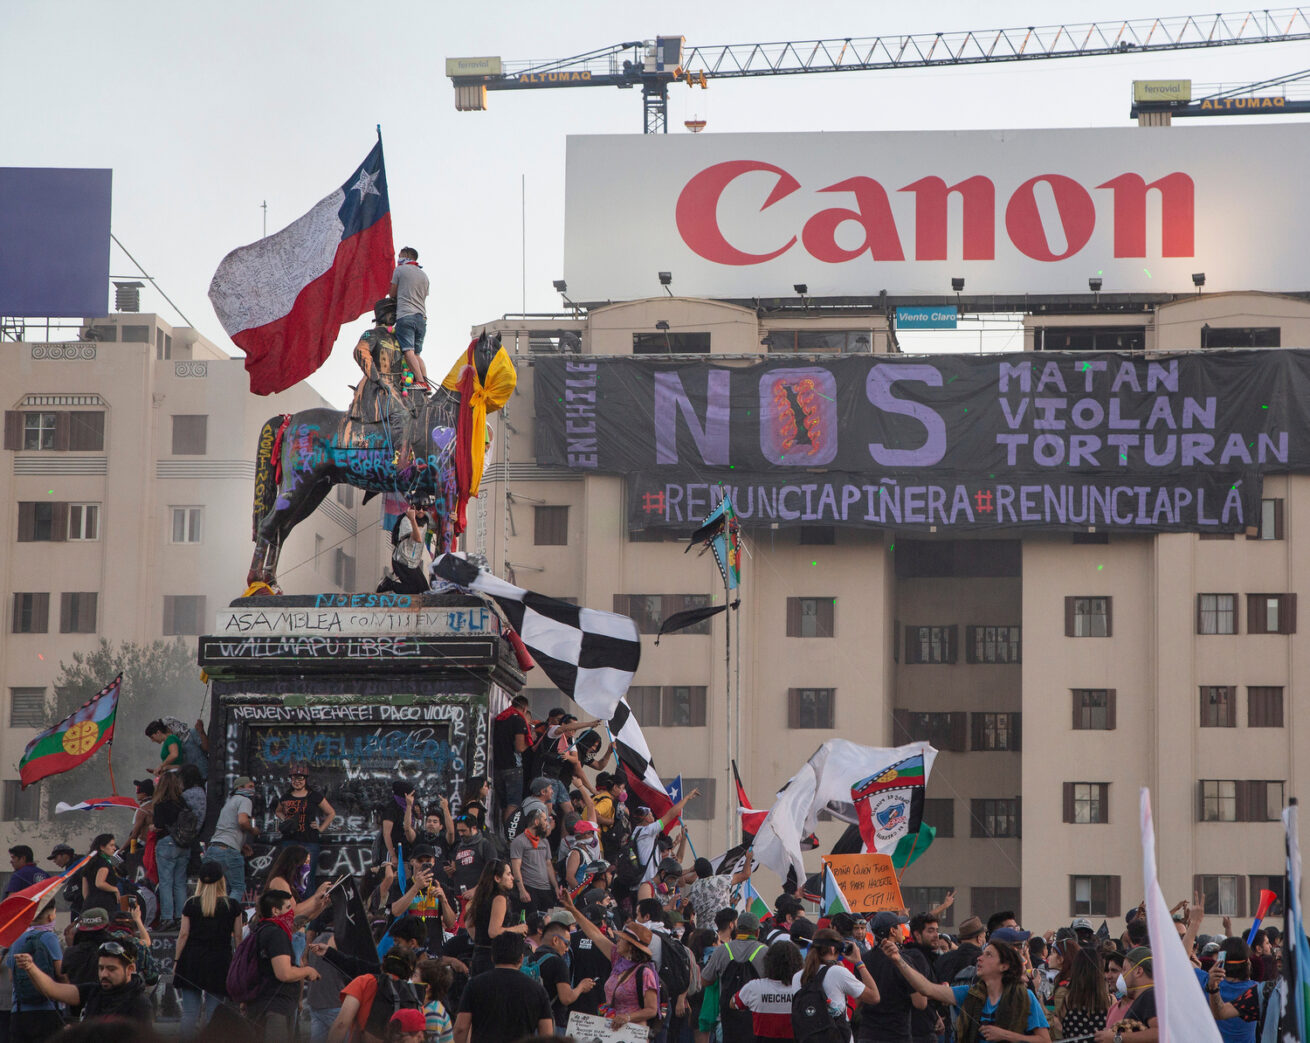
{"x":868,"y":882}
{"x":591,"y":1028}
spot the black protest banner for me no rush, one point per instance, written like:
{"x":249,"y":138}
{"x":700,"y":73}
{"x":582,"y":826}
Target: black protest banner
{"x":1035,"y":440}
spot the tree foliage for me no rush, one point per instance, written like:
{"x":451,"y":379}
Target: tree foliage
{"x":158,"y":678}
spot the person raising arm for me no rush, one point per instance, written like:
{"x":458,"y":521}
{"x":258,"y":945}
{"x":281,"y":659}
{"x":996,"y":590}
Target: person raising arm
{"x":997,"y":1006}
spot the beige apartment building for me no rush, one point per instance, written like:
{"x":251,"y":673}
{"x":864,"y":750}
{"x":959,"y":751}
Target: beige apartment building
{"x":127,"y":482}
{"x":1185,"y":679}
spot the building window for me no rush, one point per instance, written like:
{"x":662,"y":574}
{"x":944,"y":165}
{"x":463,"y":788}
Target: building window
{"x":39,"y":430}
{"x":1271,"y":613}
{"x":1218,"y":706}
{"x":186,"y":524}
{"x":1094,"y":709}
{"x":184,"y":614}
{"x":996,"y":731}
{"x":163,"y":346}
{"x":946,"y":731}
{"x":40,"y":521}
{"x":811,"y":707}
{"x":343,"y":570}
{"x":995,"y":898}
{"x":1221,"y":895}
{"x":1218,"y":800}
{"x":1271,"y":521}
{"x":1241,"y":336}
{"x":929,"y":644}
{"x":921,"y":899}
{"x":1094,"y":895}
{"x":31,"y":613}
{"x":810,"y":617}
{"x":1086,"y":802}
{"x":644,"y":699}
{"x":1087,"y":617}
{"x":86,"y":431}
{"x":994,"y":817}
{"x":190,"y":435}
{"x":823,"y":342}
{"x":650,"y":610}
{"x":135,"y":334}
{"x":662,"y":342}
{"x":1216,"y":613}
{"x":318,"y":552}
{"x":1264,"y":706}
{"x":77,"y":612}
{"x":702,"y":808}
{"x":27,"y":708}
{"x":84,"y":522}
{"x":939,"y":812}
{"x":21,"y":805}
{"x":1268,"y":883}
{"x":346,"y":496}
{"x":684,"y":706}
{"x":987,"y":644}
{"x":550,"y":526}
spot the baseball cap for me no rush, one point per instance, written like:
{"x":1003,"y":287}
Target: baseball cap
{"x":93,"y":920}
{"x":146,"y":786}
{"x":243,"y":782}
{"x":585,"y":825}
{"x":297,"y":769}
{"x":561,"y":916}
{"x":1009,"y":935}
{"x":1082,"y":924}
{"x":210,"y":872}
{"x":61,"y":849}
{"x":747,"y":923}
{"x":423,"y":851}
{"x":886,"y":920}
{"x":410,"y":1020}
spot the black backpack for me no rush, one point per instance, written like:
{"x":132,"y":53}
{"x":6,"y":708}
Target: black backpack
{"x":738,"y":1026}
{"x":811,"y":1020}
{"x":392,"y":995}
{"x":185,"y":828}
{"x":675,"y":967}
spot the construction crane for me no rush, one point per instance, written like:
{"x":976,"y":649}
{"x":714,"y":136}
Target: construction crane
{"x":652,"y":65}
{"x":1170,"y":99}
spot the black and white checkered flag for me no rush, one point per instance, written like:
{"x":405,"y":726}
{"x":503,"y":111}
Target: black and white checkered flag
{"x":590,"y":655}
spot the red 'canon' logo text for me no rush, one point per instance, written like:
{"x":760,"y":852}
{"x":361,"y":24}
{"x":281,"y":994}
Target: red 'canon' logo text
{"x":698,"y":224}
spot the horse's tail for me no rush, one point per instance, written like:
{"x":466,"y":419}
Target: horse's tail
{"x":270,"y":444}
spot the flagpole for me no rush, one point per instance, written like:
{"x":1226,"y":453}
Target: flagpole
{"x":113,"y":787}
{"x":908,"y":858}
{"x":727,"y":702}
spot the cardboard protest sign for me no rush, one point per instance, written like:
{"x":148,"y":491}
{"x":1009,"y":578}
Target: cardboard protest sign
{"x":868,"y":881}
{"x":591,"y":1028}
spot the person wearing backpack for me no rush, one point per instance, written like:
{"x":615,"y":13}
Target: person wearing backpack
{"x":769,"y":999}
{"x":177,"y":826}
{"x":369,"y":1000}
{"x":733,"y":964}
{"x":550,"y":966}
{"x":818,"y":1010}
{"x":264,"y":975}
{"x":33,"y":1016}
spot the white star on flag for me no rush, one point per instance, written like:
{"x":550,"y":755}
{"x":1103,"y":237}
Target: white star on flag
{"x":364,"y":186}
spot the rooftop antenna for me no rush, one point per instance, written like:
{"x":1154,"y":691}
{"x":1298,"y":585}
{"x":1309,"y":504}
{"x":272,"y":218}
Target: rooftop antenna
{"x":264,"y":206}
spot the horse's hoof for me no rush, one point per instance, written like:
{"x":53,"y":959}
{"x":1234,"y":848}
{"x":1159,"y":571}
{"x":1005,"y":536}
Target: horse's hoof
{"x":260,"y":588}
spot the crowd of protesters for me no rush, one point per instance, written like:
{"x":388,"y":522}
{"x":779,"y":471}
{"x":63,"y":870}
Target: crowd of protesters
{"x":495,"y":914}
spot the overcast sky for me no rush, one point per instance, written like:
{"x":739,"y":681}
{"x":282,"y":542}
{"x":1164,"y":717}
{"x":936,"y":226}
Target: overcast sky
{"x":205,"y":111}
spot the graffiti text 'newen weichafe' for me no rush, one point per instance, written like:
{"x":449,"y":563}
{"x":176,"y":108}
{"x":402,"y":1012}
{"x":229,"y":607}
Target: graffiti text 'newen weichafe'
{"x":1056,"y":197}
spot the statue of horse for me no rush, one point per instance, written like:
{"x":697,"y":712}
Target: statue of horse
{"x":393,"y":439}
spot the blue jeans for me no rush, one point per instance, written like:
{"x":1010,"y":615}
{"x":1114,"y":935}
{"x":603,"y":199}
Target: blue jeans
{"x":234,"y":869}
{"x":172,"y":861}
{"x":320,"y":1023}
{"x":410,"y":331}
{"x":191,"y":1009}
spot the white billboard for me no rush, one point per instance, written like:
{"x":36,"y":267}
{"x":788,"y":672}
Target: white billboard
{"x":1009,"y":211}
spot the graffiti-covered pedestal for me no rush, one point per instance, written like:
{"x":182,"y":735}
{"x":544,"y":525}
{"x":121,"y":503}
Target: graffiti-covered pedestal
{"x":363,"y":689}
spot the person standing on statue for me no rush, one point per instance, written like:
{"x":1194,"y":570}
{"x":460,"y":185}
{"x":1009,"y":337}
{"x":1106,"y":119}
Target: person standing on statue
{"x":407,"y":554}
{"x":303,"y":814}
{"x":409,"y":286}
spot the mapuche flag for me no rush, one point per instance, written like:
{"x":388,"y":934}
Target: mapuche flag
{"x":74,"y":739}
{"x":284,"y":298}
{"x":890,"y":804}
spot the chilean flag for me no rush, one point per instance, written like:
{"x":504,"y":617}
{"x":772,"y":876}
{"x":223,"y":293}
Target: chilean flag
{"x":283,"y":299}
